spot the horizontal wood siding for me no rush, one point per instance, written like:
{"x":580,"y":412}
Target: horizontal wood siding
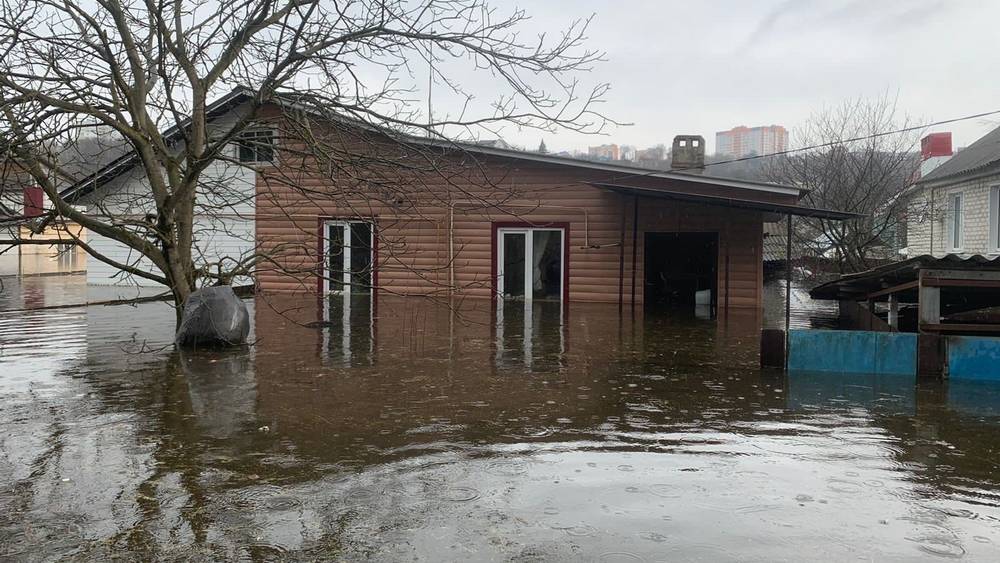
{"x":413,"y":253}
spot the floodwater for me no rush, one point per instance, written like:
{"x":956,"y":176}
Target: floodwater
{"x":408,"y":430}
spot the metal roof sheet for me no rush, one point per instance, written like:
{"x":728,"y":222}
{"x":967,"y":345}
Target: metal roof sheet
{"x":861,"y":284}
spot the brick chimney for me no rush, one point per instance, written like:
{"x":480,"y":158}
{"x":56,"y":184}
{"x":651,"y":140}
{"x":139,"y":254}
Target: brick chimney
{"x":688,"y":154}
{"x":34,"y":202}
{"x":935,"y":150}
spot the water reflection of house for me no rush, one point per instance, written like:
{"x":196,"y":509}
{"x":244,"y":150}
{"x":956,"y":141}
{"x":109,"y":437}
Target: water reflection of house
{"x":422,"y":367}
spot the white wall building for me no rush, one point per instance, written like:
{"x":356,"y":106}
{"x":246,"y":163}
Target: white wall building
{"x":224,"y":219}
{"x":955,"y":209}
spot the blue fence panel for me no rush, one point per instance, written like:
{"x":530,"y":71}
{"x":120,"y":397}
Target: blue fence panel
{"x":896,"y":353}
{"x":852,"y":351}
{"x":974,"y":358}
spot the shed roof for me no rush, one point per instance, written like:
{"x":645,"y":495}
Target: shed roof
{"x":976,"y":157}
{"x":723,"y":201}
{"x":862,"y":284}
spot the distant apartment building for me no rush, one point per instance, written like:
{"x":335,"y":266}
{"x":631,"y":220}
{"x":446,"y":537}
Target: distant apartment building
{"x":628,"y":152}
{"x":744,"y":141}
{"x":605,"y":152}
{"x":652,"y":154}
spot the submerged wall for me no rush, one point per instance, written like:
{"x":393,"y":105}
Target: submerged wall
{"x":852,"y":351}
{"x":858,"y":351}
{"x":973,"y":357}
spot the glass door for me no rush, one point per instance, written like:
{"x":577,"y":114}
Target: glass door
{"x":349,"y":257}
{"x":530,"y":264}
{"x":348,"y":313}
{"x":512,"y":272}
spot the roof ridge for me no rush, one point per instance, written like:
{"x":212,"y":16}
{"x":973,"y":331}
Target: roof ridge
{"x":241,"y":93}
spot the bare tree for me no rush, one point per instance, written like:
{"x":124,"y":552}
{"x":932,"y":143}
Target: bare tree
{"x":858,"y":165}
{"x":136,"y":78}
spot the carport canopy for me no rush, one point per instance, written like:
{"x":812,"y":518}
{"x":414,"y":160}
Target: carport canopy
{"x":722,"y":201}
{"x":901,"y":278}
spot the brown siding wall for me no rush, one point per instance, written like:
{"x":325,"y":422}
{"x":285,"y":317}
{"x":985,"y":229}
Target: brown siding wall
{"x":443,"y":203}
{"x":413,"y":253}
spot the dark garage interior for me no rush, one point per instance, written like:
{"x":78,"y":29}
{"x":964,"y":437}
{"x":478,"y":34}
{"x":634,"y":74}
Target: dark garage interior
{"x":681,"y":271}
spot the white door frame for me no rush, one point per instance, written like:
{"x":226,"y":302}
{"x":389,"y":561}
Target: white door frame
{"x":345,"y":294}
{"x":529,"y":247}
{"x":346,"y":274}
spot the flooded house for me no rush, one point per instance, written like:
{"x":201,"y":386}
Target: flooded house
{"x":353,"y":211}
{"x":328,"y":205}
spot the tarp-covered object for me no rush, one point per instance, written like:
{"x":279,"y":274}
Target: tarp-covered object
{"x":213,"y":316}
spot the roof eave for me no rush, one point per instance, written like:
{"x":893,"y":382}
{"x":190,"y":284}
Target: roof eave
{"x":239,"y":95}
{"x":990,"y":169}
{"x":706,"y":199}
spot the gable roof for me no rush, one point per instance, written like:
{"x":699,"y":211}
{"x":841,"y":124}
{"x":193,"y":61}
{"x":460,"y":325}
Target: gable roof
{"x":172,"y":134}
{"x":241,"y":95}
{"x":974,"y":158}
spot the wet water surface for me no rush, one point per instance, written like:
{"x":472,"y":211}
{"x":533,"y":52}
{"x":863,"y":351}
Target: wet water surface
{"x":412,"y":431}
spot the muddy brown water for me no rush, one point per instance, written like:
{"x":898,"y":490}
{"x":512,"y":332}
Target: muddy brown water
{"x":425,"y":433}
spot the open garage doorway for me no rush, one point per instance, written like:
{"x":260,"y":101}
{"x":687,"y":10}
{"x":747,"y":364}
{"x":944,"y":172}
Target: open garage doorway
{"x":682,"y":272}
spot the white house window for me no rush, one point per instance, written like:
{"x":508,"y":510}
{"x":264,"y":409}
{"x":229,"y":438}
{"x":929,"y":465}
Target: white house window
{"x":956,"y":222}
{"x":530,"y":263}
{"x":994,"y":219}
{"x":350,"y":256}
{"x":256,"y":145}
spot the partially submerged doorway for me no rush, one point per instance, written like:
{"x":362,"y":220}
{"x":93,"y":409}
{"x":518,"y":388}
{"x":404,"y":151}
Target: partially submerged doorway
{"x":682,"y":271}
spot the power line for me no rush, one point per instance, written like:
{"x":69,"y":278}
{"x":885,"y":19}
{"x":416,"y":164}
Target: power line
{"x":831,"y":143}
{"x":855,"y":139}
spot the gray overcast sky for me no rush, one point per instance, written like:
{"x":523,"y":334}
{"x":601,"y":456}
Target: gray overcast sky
{"x":703,"y":66}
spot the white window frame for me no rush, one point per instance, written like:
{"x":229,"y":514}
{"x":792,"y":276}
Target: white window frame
{"x":956,"y":212}
{"x":994,"y":243}
{"x":529,"y":249}
{"x":346,"y":274}
{"x":253,"y":131}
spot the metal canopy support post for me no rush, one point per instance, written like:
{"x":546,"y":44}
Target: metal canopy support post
{"x":635,"y":246}
{"x":928,"y":303}
{"x":788,"y":286}
{"x":930,"y":346}
{"x":894,"y":311}
{"x":788,"y":274}
{"x":621,"y":259}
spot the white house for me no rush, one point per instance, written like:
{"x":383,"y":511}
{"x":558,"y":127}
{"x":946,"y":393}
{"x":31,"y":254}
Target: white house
{"x":224,"y":219}
{"x":955,"y":209}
